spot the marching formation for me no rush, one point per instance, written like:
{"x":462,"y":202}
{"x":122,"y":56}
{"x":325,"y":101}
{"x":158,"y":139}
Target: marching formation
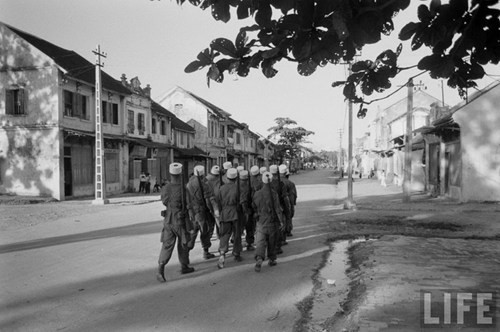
{"x":259,"y":203}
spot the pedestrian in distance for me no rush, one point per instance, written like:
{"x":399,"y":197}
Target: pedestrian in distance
{"x":229,"y":200}
{"x":269,"y":218}
{"x":147,"y":185}
{"x":201,"y":203}
{"x":142,"y":182}
{"x":176,"y":225}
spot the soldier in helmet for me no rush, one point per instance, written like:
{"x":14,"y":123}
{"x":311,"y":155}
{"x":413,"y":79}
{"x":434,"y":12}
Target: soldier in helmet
{"x":292,"y":190}
{"x":200,"y":204}
{"x":214,"y":182}
{"x":229,"y":200}
{"x":176,"y":225}
{"x":269,"y":221}
{"x":255,"y":179}
{"x":227,"y":165}
{"x":284,"y":199}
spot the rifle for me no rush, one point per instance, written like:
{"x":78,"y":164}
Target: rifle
{"x":202,"y":192}
{"x":238,"y":193}
{"x":220,"y":176}
{"x":185,"y":236}
{"x":272,"y":201}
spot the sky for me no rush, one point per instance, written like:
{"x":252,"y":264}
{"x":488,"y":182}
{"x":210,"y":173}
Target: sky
{"x":156,"y":40}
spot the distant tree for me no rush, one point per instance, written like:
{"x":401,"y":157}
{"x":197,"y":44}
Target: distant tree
{"x":462,"y":36}
{"x":288,"y":137}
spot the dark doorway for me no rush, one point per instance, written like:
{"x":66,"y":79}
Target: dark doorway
{"x":68,"y":174}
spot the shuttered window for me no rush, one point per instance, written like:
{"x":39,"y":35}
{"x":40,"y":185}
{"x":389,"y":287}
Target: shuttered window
{"x":15,"y":101}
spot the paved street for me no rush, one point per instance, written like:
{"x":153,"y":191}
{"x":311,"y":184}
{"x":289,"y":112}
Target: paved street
{"x":71,"y":266}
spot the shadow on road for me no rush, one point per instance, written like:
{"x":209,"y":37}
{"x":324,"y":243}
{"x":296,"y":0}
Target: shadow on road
{"x":129,"y":230}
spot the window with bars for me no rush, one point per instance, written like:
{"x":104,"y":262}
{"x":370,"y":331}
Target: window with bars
{"x":238,"y":138}
{"x":131,"y":125}
{"x":15,"y":103}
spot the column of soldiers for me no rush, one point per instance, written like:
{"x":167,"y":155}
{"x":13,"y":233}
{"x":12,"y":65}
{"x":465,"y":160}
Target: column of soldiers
{"x":228,"y":201}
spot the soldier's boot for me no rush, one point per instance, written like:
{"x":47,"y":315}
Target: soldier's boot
{"x":160,"y":276}
{"x":186,"y":269}
{"x":207,"y":255}
{"x":272,"y":262}
{"x":238,"y":258}
{"x":222,"y":259}
{"x":250,"y":247}
{"x":258,"y":265}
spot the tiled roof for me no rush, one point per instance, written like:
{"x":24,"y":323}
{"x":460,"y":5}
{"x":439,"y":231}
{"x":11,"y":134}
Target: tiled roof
{"x":74,"y":64}
{"x":218,"y":111}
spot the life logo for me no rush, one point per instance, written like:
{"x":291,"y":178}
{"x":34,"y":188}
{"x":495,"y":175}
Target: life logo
{"x":458,"y":309}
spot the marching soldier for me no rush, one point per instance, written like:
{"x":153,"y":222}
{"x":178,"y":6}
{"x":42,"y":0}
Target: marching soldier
{"x":255,"y":179}
{"x":176,"y":225}
{"x":227,"y":165}
{"x":229,"y":200}
{"x":246,"y":206}
{"x":292,"y":189}
{"x":201,"y":203}
{"x":284,"y":199}
{"x":269,"y":220}
{"x":214,"y":183}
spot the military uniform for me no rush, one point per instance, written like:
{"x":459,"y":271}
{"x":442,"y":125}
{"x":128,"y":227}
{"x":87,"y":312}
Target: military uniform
{"x":246,"y":192}
{"x":292,"y":190}
{"x":176,"y":225}
{"x":214,"y":183}
{"x":284,"y":199}
{"x":198,"y":203}
{"x":269,"y":217}
{"x":229,"y":200}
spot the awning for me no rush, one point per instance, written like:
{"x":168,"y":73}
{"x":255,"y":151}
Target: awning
{"x":192,"y":152}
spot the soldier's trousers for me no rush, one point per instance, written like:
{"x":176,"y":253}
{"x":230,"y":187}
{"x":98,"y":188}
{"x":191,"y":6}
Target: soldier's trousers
{"x":172,"y":234}
{"x":265,"y":239}
{"x":249,"y":229}
{"x":202,"y":227}
{"x":228,"y":228}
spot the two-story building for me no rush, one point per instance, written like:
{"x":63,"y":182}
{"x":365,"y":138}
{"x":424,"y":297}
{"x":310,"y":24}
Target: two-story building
{"x":47,"y":120}
{"x":208,"y":121}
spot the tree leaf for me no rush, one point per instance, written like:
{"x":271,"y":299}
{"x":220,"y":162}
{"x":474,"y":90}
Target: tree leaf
{"x":220,"y":11}
{"x":204,"y":57}
{"x":264,"y":14}
{"x":306,"y":68}
{"x":215,"y":74}
{"x":223,"y":45}
{"x":193,"y":66}
{"x":408,"y":30}
{"x":338,"y":83}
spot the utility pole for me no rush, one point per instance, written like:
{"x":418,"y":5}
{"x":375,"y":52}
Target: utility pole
{"x":100,"y":179}
{"x":349,"y":204}
{"x":340,"y":161}
{"x":408,"y":147}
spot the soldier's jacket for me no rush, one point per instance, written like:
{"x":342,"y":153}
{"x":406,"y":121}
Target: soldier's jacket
{"x":245,"y":196}
{"x":256,"y":181}
{"x":228,"y":201}
{"x":197,"y":203}
{"x":292,"y":190}
{"x":284,"y":195}
{"x":171,"y":197}
{"x":213,"y":182}
{"x":263,"y":207}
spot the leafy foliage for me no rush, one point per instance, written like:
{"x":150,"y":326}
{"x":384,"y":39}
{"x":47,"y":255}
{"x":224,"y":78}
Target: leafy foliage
{"x":462,"y":36}
{"x":289,"y":136}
